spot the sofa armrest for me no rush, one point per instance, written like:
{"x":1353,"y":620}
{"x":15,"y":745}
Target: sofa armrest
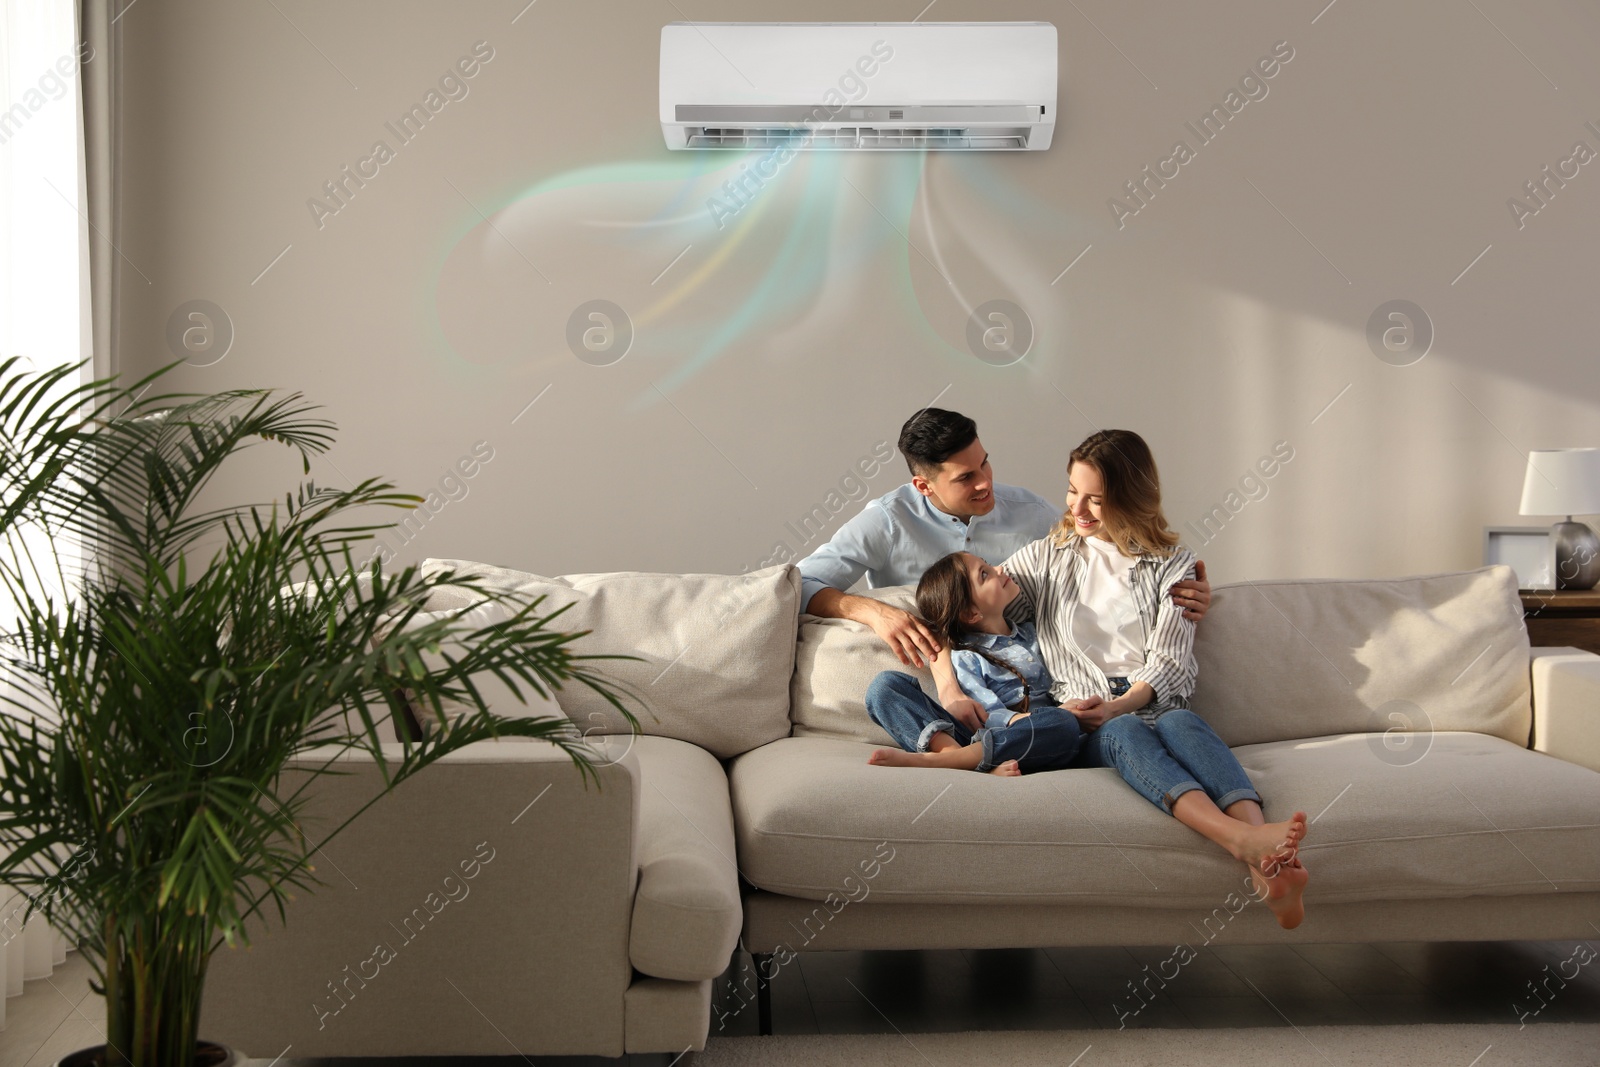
{"x":688,"y":911}
{"x":1566,"y":705}
{"x":495,"y":884}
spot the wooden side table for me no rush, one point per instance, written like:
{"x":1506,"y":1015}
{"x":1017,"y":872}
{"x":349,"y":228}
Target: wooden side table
{"x":1563,"y":617}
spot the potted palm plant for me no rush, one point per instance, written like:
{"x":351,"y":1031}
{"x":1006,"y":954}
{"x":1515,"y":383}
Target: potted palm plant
{"x":165,"y":660}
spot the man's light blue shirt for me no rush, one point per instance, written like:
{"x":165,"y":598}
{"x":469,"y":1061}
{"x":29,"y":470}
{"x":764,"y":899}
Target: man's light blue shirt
{"x":901,"y":534}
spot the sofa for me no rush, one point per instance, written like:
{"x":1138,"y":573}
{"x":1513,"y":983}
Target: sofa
{"x":500,"y":904}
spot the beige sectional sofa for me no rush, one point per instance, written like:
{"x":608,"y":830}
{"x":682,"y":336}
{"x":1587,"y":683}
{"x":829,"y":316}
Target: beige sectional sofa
{"x":1452,"y":775}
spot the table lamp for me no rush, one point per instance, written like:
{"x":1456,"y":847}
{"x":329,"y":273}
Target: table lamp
{"x":1566,"y":481}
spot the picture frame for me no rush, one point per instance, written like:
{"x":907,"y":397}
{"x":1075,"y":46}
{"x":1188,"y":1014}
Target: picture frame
{"x":1527,"y":550}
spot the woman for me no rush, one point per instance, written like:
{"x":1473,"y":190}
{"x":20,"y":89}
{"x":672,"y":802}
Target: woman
{"x":1122,"y":658}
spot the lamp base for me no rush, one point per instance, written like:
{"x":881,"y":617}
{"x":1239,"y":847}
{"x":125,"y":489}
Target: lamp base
{"x":1577,"y":555}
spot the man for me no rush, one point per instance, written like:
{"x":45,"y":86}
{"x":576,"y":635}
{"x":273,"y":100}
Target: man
{"x":951,"y":504}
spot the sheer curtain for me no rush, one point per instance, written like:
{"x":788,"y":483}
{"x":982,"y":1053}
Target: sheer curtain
{"x":46,"y":310}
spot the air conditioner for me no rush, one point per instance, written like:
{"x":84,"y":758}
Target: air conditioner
{"x":858,"y":85}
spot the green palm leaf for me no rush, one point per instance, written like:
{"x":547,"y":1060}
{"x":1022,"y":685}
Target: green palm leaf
{"x":154,"y":694}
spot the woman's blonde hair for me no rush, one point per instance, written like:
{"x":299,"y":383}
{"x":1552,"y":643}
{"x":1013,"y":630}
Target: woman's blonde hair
{"x":1131,"y":503}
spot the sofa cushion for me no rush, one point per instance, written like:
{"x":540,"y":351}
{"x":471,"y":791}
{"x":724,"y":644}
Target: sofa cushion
{"x":834,"y":662}
{"x":521,"y":702}
{"x":715,"y":651}
{"x":1306,"y":658}
{"x":1278,"y":660}
{"x":808,"y":810}
{"x":1459,"y":815}
{"x":687,"y":912}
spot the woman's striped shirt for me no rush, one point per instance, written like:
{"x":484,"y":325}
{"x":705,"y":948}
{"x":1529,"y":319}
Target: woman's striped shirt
{"x":1049,"y":576}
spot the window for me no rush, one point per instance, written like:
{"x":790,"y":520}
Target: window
{"x":43,"y":227}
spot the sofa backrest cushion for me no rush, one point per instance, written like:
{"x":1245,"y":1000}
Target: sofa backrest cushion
{"x":521,"y":701}
{"x":835,"y":660}
{"x":715,"y":650}
{"x":1281,"y":660}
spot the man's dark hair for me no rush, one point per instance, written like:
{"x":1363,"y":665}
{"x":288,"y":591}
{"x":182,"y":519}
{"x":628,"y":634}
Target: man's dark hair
{"x":932,"y":436}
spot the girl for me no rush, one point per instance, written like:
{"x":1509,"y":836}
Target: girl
{"x":962,"y":600}
{"x":1121,"y":658}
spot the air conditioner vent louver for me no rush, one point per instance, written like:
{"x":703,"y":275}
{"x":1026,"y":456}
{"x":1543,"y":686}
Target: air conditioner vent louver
{"x":856,"y":137}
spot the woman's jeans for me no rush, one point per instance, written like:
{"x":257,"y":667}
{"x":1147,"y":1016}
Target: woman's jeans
{"x":1165,"y":759}
{"x":1047,"y":739}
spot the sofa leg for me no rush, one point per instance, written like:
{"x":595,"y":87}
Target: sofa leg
{"x":763,"y":964}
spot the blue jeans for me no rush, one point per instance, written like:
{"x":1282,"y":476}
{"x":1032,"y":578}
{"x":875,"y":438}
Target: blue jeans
{"x":1163,"y":760}
{"x":1047,"y":739}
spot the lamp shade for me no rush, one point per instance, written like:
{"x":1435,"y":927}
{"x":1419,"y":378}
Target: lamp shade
{"x":1562,"y":481}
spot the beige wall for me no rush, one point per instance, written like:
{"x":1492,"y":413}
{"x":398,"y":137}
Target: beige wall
{"x":780,"y":350}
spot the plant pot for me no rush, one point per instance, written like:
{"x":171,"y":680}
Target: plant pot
{"x":206,"y":1054}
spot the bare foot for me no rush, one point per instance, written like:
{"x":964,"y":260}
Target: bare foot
{"x":1271,"y":844}
{"x":1008,"y":769}
{"x":1284,"y":892}
{"x":893,"y":757}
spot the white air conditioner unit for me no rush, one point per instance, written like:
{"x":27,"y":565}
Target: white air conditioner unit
{"x":858,"y":85}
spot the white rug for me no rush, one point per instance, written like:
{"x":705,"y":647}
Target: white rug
{"x":1538,"y":1045}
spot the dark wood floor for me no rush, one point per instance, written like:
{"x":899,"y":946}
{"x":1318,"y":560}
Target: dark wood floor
{"x":1033,"y":989}
{"x":1079,"y":989}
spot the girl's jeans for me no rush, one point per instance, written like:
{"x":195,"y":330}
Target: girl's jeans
{"x":1165,"y":759}
{"x":1046,"y":740}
